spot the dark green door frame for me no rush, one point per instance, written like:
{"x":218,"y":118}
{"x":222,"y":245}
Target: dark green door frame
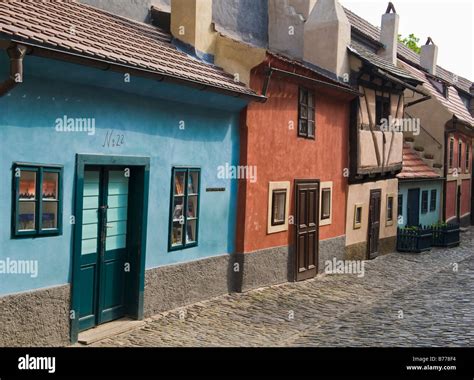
{"x":138,"y":208}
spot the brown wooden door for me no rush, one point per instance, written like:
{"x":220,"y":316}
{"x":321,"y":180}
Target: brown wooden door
{"x":374,"y":223}
{"x":307,"y":228}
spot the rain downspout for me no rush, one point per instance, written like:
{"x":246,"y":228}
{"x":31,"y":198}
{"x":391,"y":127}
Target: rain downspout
{"x":17,"y":54}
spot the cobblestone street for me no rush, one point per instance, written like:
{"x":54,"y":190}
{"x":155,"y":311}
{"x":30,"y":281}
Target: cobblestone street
{"x":403,"y":300}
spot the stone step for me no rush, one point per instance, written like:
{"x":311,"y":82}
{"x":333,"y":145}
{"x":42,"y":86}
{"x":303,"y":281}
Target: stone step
{"x":108,"y":330}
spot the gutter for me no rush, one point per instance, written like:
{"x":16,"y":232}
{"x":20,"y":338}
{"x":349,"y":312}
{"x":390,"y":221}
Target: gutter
{"x":51,"y":53}
{"x":16,"y":53}
{"x":316,"y":82}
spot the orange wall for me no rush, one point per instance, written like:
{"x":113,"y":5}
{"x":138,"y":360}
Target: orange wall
{"x":466,"y":197}
{"x":451,"y":188}
{"x":280,"y":155}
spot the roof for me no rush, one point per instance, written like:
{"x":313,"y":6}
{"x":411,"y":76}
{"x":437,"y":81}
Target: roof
{"x":453,"y":102}
{"x":80,"y":29}
{"x":381,"y":63}
{"x":414,"y":167}
{"x":372,"y":33}
{"x":331,"y":77}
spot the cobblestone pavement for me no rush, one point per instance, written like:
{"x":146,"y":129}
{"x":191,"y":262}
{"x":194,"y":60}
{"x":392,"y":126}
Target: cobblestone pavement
{"x":403,"y":300}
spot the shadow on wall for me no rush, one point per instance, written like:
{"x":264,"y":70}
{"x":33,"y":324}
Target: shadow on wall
{"x":244,"y":19}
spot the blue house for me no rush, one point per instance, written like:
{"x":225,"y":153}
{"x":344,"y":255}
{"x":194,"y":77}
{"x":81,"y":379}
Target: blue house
{"x":420,"y":191}
{"x":111,"y":142}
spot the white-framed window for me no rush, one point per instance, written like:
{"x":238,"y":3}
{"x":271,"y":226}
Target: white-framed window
{"x":358,"y":209}
{"x":325,"y":203}
{"x":278,"y":207}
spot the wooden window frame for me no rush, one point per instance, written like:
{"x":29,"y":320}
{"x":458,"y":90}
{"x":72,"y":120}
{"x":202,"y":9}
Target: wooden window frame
{"x":325,"y":187}
{"x":460,"y":155}
{"x":451,"y":153}
{"x":275,"y":192}
{"x":385,"y":105}
{"x":425,"y":205}
{"x":184,"y":244}
{"x":311,"y":110}
{"x":389,"y":219}
{"x":272,"y":188}
{"x":39,"y":231}
{"x":467,"y":158}
{"x":400,"y":205}
{"x":433,"y":198}
{"x":358,"y":225}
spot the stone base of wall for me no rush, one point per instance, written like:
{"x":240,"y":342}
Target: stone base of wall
{"x":331,"y":249}
{"x":359,"y":251}
{"x":264,"y":268}
{"x":174,"y":286}
{"x":37,"y":318}
{"x":277,"y":265}
{"x":466,"y":220}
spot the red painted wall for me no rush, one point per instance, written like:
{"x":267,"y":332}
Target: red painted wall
{"x":280,"y":155}
{"x":451,"y":199}
{"x":451,"y":186}
{"x":466,"y":197}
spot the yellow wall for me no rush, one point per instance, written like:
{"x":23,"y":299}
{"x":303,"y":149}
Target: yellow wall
{"x":360,"y":194}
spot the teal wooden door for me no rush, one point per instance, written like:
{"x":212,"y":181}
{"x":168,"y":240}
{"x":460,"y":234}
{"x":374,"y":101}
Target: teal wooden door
{"x":104,"y":246}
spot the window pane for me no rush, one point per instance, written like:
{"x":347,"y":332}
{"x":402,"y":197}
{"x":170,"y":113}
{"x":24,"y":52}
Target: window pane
{"x":433,"y":200}
{"x":304,"y":112}
{"x":311,"y":129}
{"x":193,"y":182}
{"x":303,"y":128}
{"x":179,"y":180}
{"x":192,"y":206}
{"x":390,"y":209}
{"x":424,"y":202}
{"x":400,"y":205}
{"x":303,"y":96}
{"x":49,"y":219}
{"x":358,"y":215}
{"x":278,"y":205}
{"x":50,"y":185}
{"x":326,"y":204}
{"x":310,"y":99}
{"x":27,"y":185}
{"x":26,"y":216}
{"x":177,"y":234}
{"x":191,"y":231}
{"x":311,"y":114}
{"x":178,"y":209}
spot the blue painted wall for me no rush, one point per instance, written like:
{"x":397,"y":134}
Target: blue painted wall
{"x":430,"y":217}
{"x":147,"y":113}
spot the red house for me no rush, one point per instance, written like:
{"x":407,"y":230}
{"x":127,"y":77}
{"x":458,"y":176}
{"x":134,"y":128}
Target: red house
{"x":292,"y":218}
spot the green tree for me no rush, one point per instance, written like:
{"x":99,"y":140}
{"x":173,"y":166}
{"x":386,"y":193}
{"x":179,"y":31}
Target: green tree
{"x":412,"y":42}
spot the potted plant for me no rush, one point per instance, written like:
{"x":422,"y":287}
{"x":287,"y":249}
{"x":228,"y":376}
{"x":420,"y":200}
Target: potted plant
{"x":446,"y":235}
{"x":414,"y":239}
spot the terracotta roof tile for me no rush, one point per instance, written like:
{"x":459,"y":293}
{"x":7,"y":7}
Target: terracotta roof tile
{"x":82,"y":29}
{"x":414,"y":167}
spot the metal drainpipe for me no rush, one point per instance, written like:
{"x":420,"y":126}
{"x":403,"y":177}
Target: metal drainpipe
{"x":17,"y":54}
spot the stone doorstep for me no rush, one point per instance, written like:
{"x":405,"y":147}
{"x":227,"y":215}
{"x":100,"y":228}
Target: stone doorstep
{"x":108,"y":330}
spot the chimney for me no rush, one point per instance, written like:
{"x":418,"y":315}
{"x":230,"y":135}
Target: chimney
{"x":286,"y":19}
{"x":389,"y":34}
{"x":327,"y":34}
{"x":429,"y":56}
{"x":191,"y":23}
